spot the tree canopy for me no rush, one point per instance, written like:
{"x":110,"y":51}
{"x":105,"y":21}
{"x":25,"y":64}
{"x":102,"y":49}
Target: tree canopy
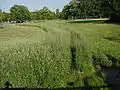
{"x":20,"y":13}
{"x":92,"y":8}
{"x":45,"y":13}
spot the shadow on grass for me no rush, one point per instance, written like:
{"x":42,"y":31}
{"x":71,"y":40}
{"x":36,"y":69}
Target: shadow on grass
{"x":89,"y":88}
{"x":74,"y":88}
{"x":113,"y":38}
{"x":114,"y":60}
{"x":89,"y":21}
{"x":1,"y":26}
{"x":73,"y":52}
{"x":94,"y":22}
{"x":86,"y":86}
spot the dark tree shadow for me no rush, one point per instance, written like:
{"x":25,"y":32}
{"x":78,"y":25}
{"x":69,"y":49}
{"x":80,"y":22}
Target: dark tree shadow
{"x":88,"y":21}
{"x":74,"y":88}
{"x":73,"y":54}
{"x":95,"y":22}
{"x":113,"y":38}
{"x":114,"y":60}
{"x":85,"y":87}
{"x":1,"y":26}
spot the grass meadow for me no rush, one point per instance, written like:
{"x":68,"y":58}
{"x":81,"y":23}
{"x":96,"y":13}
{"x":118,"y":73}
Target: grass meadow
{"x":55,"y":54}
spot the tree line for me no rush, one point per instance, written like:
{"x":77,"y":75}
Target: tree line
{"x":76,"y":9}
{"x":20,"y":13}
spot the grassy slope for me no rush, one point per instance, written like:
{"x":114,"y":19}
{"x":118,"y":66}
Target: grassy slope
{"x":14,"y":34}
{"x":43,"y":59}
{"x":94,"y":36}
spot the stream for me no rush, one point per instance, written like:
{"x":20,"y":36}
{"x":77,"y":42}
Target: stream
{"x":112,"y":77}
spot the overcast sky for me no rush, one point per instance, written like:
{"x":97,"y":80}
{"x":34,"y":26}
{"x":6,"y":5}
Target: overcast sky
{"x":34,"y":4}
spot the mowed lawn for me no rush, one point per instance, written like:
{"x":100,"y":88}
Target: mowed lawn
{"x":40,"y":54}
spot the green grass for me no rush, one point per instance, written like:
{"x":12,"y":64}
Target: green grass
{"x":51,"y":54}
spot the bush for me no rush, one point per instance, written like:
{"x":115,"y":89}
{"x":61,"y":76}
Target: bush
{"x":102,"y":60}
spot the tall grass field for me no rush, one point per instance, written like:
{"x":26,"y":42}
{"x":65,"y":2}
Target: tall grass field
{"x":56,"y":54}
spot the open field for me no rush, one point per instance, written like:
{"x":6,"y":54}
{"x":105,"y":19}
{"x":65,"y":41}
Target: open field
{"x":54,"y":54}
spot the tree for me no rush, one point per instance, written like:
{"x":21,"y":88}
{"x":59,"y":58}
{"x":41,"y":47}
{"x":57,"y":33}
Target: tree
{"x":6,"y":16}
{"x":57,"y":14}
{"x":84,"y":8}
{"x":0,"y":15}
{"x":66,"y":12}
{"x":92,"y":9}
{"x":45,"y":13}
{"x":113,"y":6}
{"x":35,"y":15}
{"x":60,"y":15}
{"x":20,"y":13}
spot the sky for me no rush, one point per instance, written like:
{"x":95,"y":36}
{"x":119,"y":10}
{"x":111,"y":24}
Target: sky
{"x":34,"y":4}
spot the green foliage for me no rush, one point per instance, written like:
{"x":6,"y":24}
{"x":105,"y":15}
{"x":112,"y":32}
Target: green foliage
{"x":102,"y":59}
{"x":111,"y":8}
{"x":66,"y":12}
{"x":20,"y":13}
{"x":31,"y":57}
{"x":83,"y":58}
{"x":6,"y":16}
{"x":95,"y":81}
{"x":1,"y":15}
{"x":45,"y":14}
{"x":36,"y":64}
{"x":82,"y":9}
{"x":40,"y":63}
{"x":77,"y":9}
{"x":57,"y":14}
